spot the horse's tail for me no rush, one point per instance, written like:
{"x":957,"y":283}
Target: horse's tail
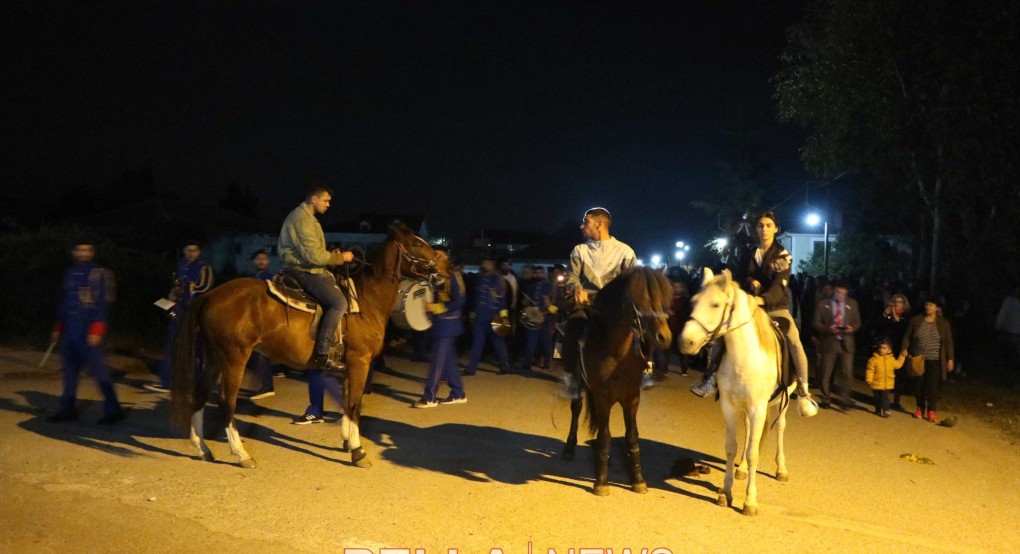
{"x":183,"y":362}
{"x":590,"y":417}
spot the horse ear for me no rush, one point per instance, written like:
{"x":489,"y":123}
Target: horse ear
{"x":727,"y":276}
{"x":707,"y":275}
{"x":662,"y":270}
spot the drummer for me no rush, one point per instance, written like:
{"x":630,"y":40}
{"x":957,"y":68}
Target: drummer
{"x":447,"y":325}
{"x":538,"y":315}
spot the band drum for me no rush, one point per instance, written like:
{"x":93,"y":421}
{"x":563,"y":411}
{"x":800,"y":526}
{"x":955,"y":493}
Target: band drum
{"x":410,"y":309}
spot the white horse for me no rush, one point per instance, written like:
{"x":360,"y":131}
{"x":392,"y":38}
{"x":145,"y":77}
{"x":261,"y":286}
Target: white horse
{"x":748,"y":377}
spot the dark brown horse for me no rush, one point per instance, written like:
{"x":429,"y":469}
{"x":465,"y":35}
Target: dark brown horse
{"x":628,"y":318}
{"x":224,"y":326}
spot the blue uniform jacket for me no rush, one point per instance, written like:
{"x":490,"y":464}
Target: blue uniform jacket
{"x":264,"y":275}
{"x":82,"y":309}
{"x":449,"y":323}
{"x":541,"y":294}
{"x":196,"y":277}
{"x":490,"y":295}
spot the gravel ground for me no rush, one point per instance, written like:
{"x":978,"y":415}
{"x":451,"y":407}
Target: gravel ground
{"x":479,"y":476}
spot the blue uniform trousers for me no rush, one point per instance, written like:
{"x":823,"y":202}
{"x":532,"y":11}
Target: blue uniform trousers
{"x":538,"y":341}
{"x":443,"y":366}
{"x":318,"y":384}
{"x":263,"y":371}
{"x":76,"y":353}
{"x":481,"y":332}
{"x":334,"y":305}
{"x":165,"y":371}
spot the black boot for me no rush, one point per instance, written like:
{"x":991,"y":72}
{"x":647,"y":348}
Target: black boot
{"x":322,"y":361}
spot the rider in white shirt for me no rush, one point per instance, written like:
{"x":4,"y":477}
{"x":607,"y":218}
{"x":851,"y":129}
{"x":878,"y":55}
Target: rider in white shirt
{"x":593,"y":264}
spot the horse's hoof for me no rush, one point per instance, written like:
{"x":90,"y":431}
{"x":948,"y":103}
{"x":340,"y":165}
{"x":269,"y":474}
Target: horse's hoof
{"x":722,"y":501}
{"x":740,"y":474}
{"x":640,"y":488}
{"x":601,"y":490}
{"x":568,"y":455}
{"x":248,"y":463}
{"x":750,"y":510}
{"x":360,"y":458}
{"x":783,"y":477}
{"x":346,"y":447}
{"x":205,"y":457}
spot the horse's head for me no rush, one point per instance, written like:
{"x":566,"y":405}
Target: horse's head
{"x":416,"y":259}
{"x":712,"y":308}
{"x":650,"y":296}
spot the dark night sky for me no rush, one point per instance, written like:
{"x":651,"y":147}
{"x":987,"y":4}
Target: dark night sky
{"x":477,"y":114}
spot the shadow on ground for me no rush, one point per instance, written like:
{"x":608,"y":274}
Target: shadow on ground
{"x":481,"y":454}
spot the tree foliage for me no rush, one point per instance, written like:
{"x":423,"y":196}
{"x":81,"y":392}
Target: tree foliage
{"x":923,"y":96}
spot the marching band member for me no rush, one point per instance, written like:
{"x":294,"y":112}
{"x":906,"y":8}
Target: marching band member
{"x":194,"y":277}
{"x":81,"y":320}
{"x":490,"y":299}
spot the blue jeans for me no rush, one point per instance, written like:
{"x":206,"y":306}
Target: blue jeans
{"x":323,"y":287}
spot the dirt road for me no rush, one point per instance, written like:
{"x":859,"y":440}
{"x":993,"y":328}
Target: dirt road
{"x":479,"y":476}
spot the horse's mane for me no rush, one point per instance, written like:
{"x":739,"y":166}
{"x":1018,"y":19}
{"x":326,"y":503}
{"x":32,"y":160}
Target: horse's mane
{"x":759,"y":318}
{"x":376,"y":256}
{"x":629,"y":287}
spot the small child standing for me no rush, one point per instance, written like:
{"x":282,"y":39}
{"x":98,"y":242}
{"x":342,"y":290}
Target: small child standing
{"x":880,"y":375}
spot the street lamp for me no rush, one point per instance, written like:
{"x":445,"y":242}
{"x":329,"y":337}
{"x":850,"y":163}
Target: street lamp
{"x":813,"y":219}
{"x":656,"y":260}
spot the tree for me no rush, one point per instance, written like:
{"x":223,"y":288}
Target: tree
{"x":921,"y":95}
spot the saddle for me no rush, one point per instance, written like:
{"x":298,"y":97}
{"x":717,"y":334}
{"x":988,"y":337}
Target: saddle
{"x":787,"y":373}
{"x":288,"y":291}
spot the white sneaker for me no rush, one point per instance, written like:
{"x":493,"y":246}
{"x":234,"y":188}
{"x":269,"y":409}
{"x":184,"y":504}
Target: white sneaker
{"x":422,"y":403}
{"x":705,"y":388}
{"x":452,"y":400}
{"x":807,"y":406}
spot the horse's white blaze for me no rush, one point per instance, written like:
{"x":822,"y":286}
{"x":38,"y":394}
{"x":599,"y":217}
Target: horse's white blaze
{"x":235,"y":443}
{"x":746,"y":377}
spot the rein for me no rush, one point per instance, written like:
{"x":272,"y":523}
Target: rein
{"x":420,"y":268}
{"x":638,"y":329}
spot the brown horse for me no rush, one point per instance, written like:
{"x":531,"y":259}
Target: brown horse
{"x":224,"y":326}
{"x":628,"y":318}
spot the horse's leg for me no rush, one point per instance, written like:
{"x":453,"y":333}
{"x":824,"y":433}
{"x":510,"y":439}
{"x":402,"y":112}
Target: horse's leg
{"x":233,"y":371}
{"x":741,"y":472}
{"x":730,"y":417}
{"x":602,"y":440}
{"x":197,"y":425}
{"x":758,"y":415}
{"x":781,"y":474}
{"x":575,"y":413}
{"x":637,"y":480}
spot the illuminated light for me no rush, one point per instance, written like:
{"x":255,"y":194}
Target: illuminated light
{"x":687,"y":247}
{"x":656,"y":260}
{"x":813,"y":219}
{"x":679,"y":244}
{"x":640,"y":262}
{"x":679,"y":255}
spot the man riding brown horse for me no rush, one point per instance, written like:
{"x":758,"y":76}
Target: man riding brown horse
{"x":305,"y":258}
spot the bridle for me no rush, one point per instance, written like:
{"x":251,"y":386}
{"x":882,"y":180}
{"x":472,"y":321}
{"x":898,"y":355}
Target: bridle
{"x":725,"y":323}
{"x":420,"y":268}
{"x":638,"y":329}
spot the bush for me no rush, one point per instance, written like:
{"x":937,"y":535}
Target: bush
{"x":32,"y":266}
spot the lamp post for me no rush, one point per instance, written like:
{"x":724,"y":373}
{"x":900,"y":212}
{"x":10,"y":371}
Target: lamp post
{"x":813,"y":220}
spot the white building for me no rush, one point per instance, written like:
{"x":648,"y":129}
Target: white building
{"x":804,"y":245}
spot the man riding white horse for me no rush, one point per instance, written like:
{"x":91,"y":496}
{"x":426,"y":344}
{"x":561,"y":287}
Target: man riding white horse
{"x":767,"y":275}
{"x":593,"y":264}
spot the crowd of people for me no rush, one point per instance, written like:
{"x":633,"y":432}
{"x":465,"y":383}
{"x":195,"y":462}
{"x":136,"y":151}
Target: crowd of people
{"x":528,"y":320}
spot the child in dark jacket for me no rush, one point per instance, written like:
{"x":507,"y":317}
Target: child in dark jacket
{"x":880,"y":375}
